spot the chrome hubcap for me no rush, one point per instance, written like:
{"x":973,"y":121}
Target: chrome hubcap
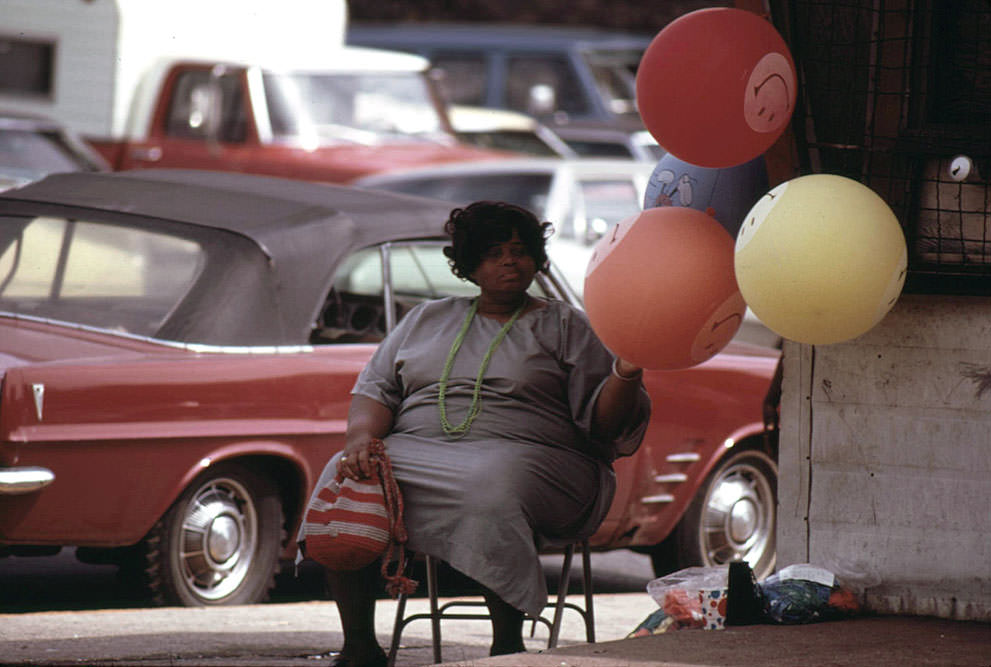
{"x":738,"y":522}
{"x":218,"y":538}
{"x":742,"y":521}
{"x":223,"y":538}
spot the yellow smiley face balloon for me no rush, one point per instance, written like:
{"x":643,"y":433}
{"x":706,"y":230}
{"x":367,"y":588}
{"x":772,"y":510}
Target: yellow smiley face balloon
{"x":820,"y":259}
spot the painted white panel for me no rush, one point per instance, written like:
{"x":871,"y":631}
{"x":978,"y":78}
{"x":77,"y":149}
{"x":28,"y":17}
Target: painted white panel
{"x":793,"y":456}
{"x":894,"y":430}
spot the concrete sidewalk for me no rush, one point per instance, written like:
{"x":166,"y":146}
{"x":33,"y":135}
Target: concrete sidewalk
{"x":875,"y":641}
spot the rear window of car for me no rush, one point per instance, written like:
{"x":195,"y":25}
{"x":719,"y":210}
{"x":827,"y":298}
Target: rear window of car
{"x":97,"y":274}
{"x":525,"y":189}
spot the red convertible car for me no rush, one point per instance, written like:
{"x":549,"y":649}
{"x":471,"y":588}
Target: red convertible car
{"x":176,"y":354}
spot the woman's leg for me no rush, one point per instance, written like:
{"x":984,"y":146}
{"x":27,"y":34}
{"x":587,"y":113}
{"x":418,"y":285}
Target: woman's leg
{"x":507,"y":625}
{"x":355,"y":593}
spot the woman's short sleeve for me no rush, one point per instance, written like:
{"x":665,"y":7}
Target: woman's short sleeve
{"x":379,"y":379}
{"x":589,"y":364}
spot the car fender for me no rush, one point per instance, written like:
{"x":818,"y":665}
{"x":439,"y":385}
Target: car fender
{"x":295,"y":477}
{"x":662,"y":480}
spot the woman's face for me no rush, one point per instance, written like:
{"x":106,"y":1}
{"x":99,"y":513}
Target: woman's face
{"x":506,"y":267}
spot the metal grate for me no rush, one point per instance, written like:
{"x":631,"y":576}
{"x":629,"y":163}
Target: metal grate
{"x":897,"y":94}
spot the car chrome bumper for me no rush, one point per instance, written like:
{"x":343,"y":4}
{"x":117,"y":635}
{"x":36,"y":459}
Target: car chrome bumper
{"x":14,"y":481}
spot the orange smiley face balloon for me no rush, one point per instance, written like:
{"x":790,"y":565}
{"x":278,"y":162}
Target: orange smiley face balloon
{"x":660,"y":290}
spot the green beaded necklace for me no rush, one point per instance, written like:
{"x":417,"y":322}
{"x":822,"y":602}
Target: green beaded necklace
{"x":476,"y":406}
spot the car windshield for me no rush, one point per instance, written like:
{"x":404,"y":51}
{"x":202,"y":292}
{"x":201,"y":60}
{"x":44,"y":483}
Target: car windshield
{"x":30,"y":154}
{"x":615,"y":73}
{"x":364,"y":108}
{"x":518,"y":141}
{"x":109,"y":276}
{"x":525,"y":189}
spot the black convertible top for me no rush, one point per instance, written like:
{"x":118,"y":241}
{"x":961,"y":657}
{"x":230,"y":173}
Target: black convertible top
{"x":302,"y":229}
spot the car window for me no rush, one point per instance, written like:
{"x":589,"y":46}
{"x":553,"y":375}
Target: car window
{"x":359,"y":107}
{"x":517,"y":141}
{"x":36,"y":153}
{"x":421,"y":271}
{"x":603,"y":203}
{"x":101,"y":275}
{"x":355,"y":310}
{"x":200,"y":99}
{"x":462,"y":77}
{"x":615,"y":74}
{"x":600,"y":148}
{"x":524,"y":72}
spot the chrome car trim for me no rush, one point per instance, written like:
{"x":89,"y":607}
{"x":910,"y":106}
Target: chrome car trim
{"x":388,"y":294}
{"x":28,"y":479}
{"x":39,"y":399}
{"x":673,"y":478}
{"x":258,"y":104}
{"x":683,"y":457}
{"x":560,"y":284}
{"x":660,"y":499}
{"x":192,"y":347}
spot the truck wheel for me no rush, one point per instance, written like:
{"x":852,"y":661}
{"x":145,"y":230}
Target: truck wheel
{"x":733,"y":516}
{"x":219,"y":543}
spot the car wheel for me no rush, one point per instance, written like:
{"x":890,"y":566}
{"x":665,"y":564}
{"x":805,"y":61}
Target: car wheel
{"x":733,"y":516}
{"x":219,"y":543}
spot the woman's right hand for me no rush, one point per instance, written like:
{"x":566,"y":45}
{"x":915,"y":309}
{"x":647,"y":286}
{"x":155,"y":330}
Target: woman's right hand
{"x":358,"y":460}
{"x":368,"y":422}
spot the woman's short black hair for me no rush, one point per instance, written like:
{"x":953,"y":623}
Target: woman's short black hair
{"x":478,"y":226}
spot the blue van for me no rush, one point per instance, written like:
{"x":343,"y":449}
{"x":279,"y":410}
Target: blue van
{"x":564,"y":76}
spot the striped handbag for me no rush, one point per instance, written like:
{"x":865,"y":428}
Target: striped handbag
{"x":349,"y":523}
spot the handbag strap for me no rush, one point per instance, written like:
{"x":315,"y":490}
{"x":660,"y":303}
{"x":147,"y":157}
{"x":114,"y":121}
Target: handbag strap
{"x":396,"y":583}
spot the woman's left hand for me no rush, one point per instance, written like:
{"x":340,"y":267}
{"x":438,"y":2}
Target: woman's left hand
{"x":627,"y":371}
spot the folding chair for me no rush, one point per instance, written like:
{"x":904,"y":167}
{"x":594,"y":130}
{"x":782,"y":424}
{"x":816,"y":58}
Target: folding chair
{"x":439,"y":612}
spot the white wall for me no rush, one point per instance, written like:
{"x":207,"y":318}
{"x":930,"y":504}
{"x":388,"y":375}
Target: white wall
{"x":885,"y":463}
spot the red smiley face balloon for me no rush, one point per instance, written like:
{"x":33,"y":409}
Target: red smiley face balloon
{"x":716,"y":87}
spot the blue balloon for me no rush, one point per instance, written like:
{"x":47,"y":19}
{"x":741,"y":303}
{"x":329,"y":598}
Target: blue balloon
{"x":726,"y":194}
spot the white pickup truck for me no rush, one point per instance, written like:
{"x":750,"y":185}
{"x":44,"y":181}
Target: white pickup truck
{"x":236,"y":85}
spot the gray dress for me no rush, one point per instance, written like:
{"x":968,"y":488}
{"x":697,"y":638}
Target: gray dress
{"x":529,"y":473}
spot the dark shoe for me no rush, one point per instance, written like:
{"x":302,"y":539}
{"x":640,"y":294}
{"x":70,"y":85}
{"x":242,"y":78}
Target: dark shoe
{"x":379,"y":661}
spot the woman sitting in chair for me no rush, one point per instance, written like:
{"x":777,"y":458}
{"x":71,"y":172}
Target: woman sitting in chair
{"x":501,"y":414}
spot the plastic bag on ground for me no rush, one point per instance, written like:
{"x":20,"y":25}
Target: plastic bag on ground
{"x":677,"y":594}
{"x":805,"y":593}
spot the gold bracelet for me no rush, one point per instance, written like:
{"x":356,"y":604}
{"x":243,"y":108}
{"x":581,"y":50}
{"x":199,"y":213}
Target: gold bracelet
{"x":625,"y":378}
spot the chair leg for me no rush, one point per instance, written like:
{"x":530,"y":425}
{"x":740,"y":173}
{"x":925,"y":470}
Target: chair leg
{"x":397,"y":630}
{"x":400,"y":624}
{"x":587,"y":589}
{"x":434,"y":612}
{"x":562,"y":593}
